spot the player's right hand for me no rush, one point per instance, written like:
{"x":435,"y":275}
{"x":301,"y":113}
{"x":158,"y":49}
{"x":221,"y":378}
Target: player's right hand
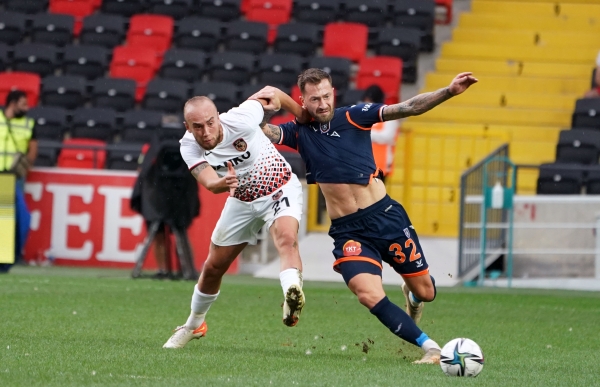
{"x":268,"y":94}
{"x":231,"y":179}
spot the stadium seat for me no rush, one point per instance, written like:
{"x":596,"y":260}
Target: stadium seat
{"x":370,"y":12}
{"x":47,"y":152}
{"x":384,"y":71}
{"x":223,"y":94}
{"x":419,"y":14}
{"x":559,"y":179}
{"x":139,"y":125}
{"x":137,"y":63}
{"x":346,"y":40}
{"x":88,"y":61}
{"x":103,"y":30}
{"x":187,"y":65}
{"x":66,"y":91}
{"x":95,"y":123}
{"x":52,"y":29}
{"x":224,"y":10}
{"x":579,"y":146}
{"x":82,"y":153}
{"x":350,"y":97}
{"x":316,"y":11}
{"x":115,"y":93}
{"x":125,"y":8}
{"x":198,"y":33}
{"x":279,"y":69}
{"x":247,"y":36}
{"x":282,"y":119}
{"x":12,"y":27}
{"x":446,"y":6}
{"x":4,"y":59}
{"x":236,"y":67}
{"x":151,"y":31}
{"x":27,"y":82}
{"x":297,"y":38}
{"x":248,"y":90}
{"x":403,"y":43}
{"x":35,"y":58}
{"x":50,"y":122}
{"x":123,"y":156}
{"x":27,"y":6}
{"x":173,"y":8}
{"x":79,"y":9}
{"x":167,"y":95}
{"x":587,"y":113}
{"x":272,"y":12}
{"x":338,"y":68}
{"x":593,"y":182}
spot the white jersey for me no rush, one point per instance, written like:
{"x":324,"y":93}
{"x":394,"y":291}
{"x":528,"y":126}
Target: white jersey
{"x":260,"y":168}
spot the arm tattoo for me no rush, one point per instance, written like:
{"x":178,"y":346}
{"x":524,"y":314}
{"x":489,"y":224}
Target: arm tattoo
{"x":273,"y":132}
{"x":416,"y":105}
{"x":267,"y":116}
{"x":196,"y":171}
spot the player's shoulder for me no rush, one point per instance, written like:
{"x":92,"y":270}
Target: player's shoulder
{"x":188,"y":140}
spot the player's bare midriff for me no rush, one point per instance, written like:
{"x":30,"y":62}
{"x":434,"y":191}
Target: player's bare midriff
{"x":346,"y":199}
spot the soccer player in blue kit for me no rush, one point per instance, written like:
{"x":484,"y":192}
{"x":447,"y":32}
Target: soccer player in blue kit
{"x":367,"y":226}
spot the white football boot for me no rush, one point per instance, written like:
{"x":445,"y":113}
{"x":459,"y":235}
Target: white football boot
{"x":183,"y":335}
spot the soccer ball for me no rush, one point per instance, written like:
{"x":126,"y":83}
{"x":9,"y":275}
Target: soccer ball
{"x":461,"y":357}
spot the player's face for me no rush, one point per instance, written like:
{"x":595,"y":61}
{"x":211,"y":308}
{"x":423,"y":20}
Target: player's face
{"x":318,"y":100}
{"x":202,"y":121}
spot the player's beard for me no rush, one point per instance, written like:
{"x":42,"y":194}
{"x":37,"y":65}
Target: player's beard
{"x":323,"y":119}
{"x":217,"y":142}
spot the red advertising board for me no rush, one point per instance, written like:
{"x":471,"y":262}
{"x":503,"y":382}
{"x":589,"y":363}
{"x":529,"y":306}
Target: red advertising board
{"x":81,"y":217}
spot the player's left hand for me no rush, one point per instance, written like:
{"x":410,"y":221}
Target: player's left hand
{"x":461,"y":83}
{"x":231,"y":178}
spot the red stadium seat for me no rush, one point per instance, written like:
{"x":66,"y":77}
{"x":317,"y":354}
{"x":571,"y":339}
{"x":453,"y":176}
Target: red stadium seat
{"x":384,"y":71}
{"x":346,"y":40}
{"x":282,"y":119}
{"x":81,"y":157}
{"x":272,"y":12}
{"x":76,"y":8}
{"x":27,"y":82}
{"x":151,"y":31}
{"x":137,"y":63}
{"x":296,"y":94}
{"x":447,"y":4}
{"x":244,"y":6}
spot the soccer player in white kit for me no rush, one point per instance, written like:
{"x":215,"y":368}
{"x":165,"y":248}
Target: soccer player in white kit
{"x":229,"y":152}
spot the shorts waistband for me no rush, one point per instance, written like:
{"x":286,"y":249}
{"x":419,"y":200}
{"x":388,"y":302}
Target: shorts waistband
{"x":363,"y":212}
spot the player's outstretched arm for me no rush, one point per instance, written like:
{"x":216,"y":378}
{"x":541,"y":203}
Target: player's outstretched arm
{"x":206,"y":175}
{"x":273,"y":132}
{"x":287,"y":103}
{"x":427,"y":101}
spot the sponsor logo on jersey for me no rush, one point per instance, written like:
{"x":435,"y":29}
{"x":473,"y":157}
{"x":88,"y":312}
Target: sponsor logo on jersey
{"x":234,"y":161}
{"x":240,"y":145}
{"x":407,"y":232}
{"x":367,"y":107}
{"x":419,"y":263}
{"x":207,"y":153}
{"x":277,"y":195}
{"x":352,"y":248}
{"x":334,"y":134}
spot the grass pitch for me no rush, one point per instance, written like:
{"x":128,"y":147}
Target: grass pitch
{"x":73,"y":327}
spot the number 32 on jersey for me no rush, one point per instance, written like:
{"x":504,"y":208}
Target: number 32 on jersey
{"x":399,"y":256}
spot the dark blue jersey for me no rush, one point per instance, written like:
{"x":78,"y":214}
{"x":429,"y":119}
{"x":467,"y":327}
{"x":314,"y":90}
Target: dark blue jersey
{"x":339,"y":151}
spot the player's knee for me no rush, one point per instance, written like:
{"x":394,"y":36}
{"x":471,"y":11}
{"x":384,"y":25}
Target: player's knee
{"x":425,"y":293}
{"x":214,"y":269}
{"x":369,"y":298}
{"x":286,"y":238}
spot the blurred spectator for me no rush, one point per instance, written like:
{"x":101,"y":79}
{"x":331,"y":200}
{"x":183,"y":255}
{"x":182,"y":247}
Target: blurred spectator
{"x":18,"y":150}
{"x":383,"y":134}
{"x":595,"y":91}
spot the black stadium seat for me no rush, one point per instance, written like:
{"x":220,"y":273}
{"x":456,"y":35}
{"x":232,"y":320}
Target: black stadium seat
{"x":223,"y":94}
{"x":198,"y":33}
{"x":248,"y":90}
{"x":88,"y":61}
{"x":139,"y":125}
{"x":116,"y":93}
{"x":338,"y":68}
{"x":27,"y":6}
{"x":35,"y":58}
{"x":174,"y":8}
{"x":593,"y":182}
{"x":103,"y":30}
{"x":47,"y":153}
{"x":350,"y":97}
{"x":403,"y":43}
{"x":587,"y":113}
{"x":297,"y":38}
{"x":579,"y":146}
{"x":247,"y":36}
{"x":123,"y":156}
{"x":66,"y":91}
{"x":4,"y":59}
{"x":316,"y":11}
{"x":52,"y":28}
{"x":187,"y":65}
{"x":94,"y":123}
{"x":12,"y":27}
{"x":50,"y":122}
{"x":124,"y":7}
{"x":370,"y":12}
{"x":559,"y":179}
{"x":279,"y":68}
{"x":418,"y":14}
{"x":167,"y":95}
{"x":234,"y":67}
{"x":224,"y":10}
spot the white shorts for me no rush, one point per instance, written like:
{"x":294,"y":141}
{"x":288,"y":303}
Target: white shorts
{"x":240,"y":222}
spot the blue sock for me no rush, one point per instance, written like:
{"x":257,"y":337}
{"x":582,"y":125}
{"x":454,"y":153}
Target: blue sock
{"x":414,"y":298}
{"x":398,"y":322}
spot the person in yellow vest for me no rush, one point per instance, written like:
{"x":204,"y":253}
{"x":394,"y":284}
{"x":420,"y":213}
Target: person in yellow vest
{"x":17,"y":134}
{"x":383,"y":135}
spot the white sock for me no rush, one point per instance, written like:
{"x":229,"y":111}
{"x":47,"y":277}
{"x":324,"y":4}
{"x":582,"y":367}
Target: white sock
{"x":429,"y":344}
{"x":290,"y":277}
{"x":200,"y":304}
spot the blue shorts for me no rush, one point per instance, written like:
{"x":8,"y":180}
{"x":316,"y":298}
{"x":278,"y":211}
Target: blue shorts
{"x":379,"y":233}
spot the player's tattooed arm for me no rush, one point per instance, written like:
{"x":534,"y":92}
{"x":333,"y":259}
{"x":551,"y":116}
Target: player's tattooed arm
{"x":196,"y":171}
{"x":273,"y":132}
{"x":267,"y":117}
{"x":208,"y":178}
{"x":416,"y":105}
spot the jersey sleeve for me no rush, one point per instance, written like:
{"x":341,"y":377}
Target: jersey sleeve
{"x":289,"y":134}
{"x":191,"y":152}
{"x":250,"y":112}
{"x":364,"y":115}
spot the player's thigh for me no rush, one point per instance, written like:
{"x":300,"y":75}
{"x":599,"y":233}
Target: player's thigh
{"x":237,"y":224}
{"x":287,"y":201}
{"x":354,"y":255}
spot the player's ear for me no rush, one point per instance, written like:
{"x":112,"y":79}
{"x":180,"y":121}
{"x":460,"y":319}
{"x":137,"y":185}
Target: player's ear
{"x":186,"y":126}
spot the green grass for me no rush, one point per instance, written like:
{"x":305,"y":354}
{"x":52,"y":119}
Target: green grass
{"x":74,"y":327}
